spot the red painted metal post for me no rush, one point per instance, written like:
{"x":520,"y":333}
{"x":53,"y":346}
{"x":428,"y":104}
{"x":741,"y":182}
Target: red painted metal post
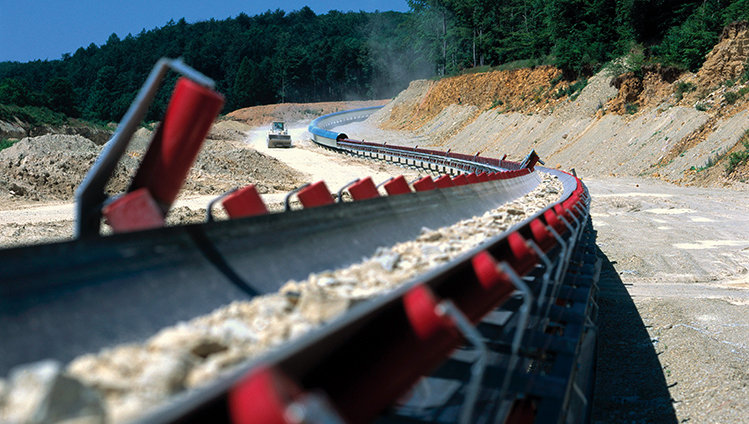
{"x":188,"y":118}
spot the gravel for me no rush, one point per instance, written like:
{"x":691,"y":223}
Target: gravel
{"x":135,"y":378}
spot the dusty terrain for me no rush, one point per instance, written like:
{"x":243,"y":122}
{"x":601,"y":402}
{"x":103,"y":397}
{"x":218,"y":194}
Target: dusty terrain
{"x":675,"y":292}
{"x":674,"y":320}
{"x":674,"y":300}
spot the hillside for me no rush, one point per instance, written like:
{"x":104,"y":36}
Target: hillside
{"x":658,"y":122}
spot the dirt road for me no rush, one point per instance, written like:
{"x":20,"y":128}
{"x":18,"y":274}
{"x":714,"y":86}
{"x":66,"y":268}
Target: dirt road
{"x":674,"y":320}
{"x":40,"y":222}
{"x":321,"y":164}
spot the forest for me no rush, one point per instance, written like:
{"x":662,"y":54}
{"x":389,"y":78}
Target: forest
{"x":301,"y":56}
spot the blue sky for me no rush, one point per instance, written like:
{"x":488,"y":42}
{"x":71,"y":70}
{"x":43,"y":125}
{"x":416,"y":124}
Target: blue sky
{"x":36,"y":29}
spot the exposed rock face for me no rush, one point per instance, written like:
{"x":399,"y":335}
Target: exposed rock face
{"x":629,"y":86}
{"x":727,"y":59}
{"x":646,"y":89}
{"x":529,"y":90}
{"x":11,"y":130}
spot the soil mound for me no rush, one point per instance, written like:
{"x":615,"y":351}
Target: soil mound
{"x":48,"y":167}
{"x":51,"y":167}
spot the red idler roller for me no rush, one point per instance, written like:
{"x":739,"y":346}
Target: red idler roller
{"x":261,"y":397}
{"x":494,"y":176}
{"x":460,"y":180}
{"x":444,"y":182}
{"x":562,"y":212}
{"x":541,"y":235}
{"x":483,"y":177}
{"x":314,"y":195}
{"x":554,"y":222}
{"x":424,"y":184}
{"x":134,"y":211}
{"x":397,"y":185}
{"x":472,"y":178}
{"x":418,"y":339}
{"x":187,"y":120}
{"x":524,"y":258}
{"x":363,"y":189}
{"x":490,"y":288}
{"x":244,"y":202}
{"x":570,"y":203}
{"x":421,"y":309}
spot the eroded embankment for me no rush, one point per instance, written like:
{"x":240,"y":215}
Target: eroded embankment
{"x":658,"y":122}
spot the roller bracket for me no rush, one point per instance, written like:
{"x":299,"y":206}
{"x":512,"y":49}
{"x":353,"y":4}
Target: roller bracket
{"x":90,"y":195}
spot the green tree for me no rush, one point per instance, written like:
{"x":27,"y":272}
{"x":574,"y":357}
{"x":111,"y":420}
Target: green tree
{"x":16,"y":92}
{"x":246,"y":83}
{"x":103,"y":95}
{"x":61,"y":97}
{"x":687,"y":44}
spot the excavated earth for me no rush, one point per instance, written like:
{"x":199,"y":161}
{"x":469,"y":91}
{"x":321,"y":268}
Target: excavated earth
{"x":671,"y":219}
{"x":653,"y":149}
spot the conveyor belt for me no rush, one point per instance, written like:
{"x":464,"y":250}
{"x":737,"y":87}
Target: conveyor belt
{"x":530,"y":292}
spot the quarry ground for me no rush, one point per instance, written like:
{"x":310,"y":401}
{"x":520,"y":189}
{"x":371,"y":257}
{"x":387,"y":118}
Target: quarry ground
{"x":674,"y":317}
{"x":674,"y":301}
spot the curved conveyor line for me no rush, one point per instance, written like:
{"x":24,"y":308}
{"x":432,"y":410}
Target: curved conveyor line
{"x":65,"y":299}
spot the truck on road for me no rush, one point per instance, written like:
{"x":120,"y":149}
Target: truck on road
{"x":278,"y":135}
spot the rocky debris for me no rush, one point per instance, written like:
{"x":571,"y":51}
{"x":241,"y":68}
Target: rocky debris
{"x":48,"y":167}
{"x":727,"y":60}
{"x":527,"y":90}
{"x":223,"y":165}
{"x":43,"y":393}
{"x":133,"y":379}
{"x":51,"y":167}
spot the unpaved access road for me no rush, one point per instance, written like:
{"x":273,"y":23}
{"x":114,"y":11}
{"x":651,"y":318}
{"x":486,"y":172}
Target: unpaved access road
{"x":674,"y":317}
{"x":30,"y":222}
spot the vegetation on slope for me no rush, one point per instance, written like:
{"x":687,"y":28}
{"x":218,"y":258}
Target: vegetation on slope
{"x":269,"y":58}
{"x":303,"y":57}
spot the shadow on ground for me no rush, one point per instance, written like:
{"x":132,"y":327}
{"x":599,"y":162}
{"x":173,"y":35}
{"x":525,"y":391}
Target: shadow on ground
{"x":630,"y":386}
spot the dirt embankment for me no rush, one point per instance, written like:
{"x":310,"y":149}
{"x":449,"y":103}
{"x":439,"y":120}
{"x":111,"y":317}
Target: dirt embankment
{"x":50,"y":167}
{"x":657,"y":122}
